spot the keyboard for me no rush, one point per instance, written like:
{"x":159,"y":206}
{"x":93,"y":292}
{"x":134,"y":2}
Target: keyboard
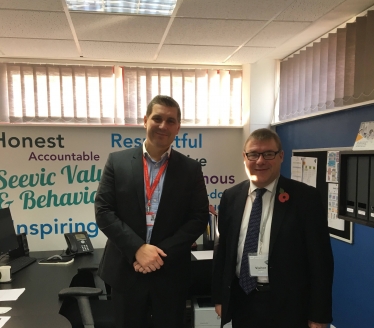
{"x":19,"y":263}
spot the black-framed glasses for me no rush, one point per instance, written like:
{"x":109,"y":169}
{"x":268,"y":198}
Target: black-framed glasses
{"x":268,"y":155}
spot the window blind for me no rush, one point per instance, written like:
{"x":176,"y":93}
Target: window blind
{"x":64,"y":94}
{"x":333,"y":72}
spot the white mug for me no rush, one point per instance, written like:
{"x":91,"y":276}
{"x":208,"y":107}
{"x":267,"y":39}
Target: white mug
{"x":5,"y":273}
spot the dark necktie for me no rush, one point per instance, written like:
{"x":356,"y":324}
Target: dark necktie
{"x":251,"y":243}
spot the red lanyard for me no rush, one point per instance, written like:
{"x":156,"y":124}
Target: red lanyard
{"x":151,"y":189}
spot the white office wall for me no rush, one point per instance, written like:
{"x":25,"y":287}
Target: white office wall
{"x":246,"y":100}
{"x":263,"y":89}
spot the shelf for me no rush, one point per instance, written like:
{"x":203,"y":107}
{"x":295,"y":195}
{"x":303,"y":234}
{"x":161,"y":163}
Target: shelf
{"x":359,"y":221}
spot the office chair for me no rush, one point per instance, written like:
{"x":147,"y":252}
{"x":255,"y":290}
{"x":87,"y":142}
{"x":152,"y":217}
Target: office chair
{"x":88,"y":311}
{"x":88,"y":277}
{"x":87,"y":302}
{"x":103,"y":316}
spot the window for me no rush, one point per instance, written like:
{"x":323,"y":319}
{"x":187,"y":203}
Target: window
{"x":116,"y":95}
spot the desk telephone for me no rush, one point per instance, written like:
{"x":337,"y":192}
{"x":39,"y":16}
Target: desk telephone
{"x":78,"y":243}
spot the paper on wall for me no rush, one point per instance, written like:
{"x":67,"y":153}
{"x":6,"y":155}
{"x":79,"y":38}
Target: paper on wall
{"x":332,"y":166}
{"x":365,"y":137}
{"x":297,"y":168}
{"x":332,"y":212}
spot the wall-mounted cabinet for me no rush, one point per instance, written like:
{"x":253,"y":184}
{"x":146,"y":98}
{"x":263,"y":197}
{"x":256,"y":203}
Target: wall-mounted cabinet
{"x":356,"y":187}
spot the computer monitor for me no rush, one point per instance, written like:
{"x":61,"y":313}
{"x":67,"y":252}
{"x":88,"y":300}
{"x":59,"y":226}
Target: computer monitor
{"x":8,"y":238}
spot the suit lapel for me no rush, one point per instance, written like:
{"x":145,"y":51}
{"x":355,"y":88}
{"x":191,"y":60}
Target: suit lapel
{"x":170,"y":180}
{"x":138,"y":175}
{"x":238,"y":216}
{"x":278,"y":212}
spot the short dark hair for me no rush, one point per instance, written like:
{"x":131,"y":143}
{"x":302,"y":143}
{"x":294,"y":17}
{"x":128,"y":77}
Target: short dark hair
{"x":165,"y":101}
{"x":264,"y":134}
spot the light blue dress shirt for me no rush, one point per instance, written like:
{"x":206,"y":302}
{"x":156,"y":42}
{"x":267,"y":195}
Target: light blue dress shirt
{"x":153,"y":169}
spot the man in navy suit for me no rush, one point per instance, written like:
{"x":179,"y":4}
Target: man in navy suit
{"x":286,"y":281}
{"x":152,"y":205}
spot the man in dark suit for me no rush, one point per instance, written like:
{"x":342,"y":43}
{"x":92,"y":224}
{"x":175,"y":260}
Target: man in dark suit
{"x":285,"y":280}
{"x":152,"y":205}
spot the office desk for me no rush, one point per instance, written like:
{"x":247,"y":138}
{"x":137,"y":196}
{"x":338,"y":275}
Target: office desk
{"x":39,"y":305}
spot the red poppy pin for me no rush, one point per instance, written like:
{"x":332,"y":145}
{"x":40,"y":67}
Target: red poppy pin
{"x":283,"y":196}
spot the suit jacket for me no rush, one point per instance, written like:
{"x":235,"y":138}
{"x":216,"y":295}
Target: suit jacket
{"x":300,"y":256}
{"x":120,"y":214}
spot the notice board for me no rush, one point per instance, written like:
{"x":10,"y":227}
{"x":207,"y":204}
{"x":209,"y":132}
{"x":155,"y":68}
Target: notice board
{"x":321,"y":154}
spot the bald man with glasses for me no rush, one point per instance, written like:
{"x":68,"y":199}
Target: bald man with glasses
{"x":273,"y":264}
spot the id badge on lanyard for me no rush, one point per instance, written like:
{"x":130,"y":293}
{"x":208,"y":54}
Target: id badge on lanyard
{"x":258,"y":265}
{"x":151,"y":216}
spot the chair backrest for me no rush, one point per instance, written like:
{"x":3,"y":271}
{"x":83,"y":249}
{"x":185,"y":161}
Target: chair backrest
{"x":82,"y":295}
{"x":90,"y":273}
{"x":83,"y":306}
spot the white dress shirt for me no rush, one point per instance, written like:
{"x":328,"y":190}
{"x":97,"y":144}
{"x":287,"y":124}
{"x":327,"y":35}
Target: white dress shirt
{"x":265,"y":226}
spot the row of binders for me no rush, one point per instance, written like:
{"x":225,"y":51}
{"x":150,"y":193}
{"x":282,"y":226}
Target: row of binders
{"x":356,"y":185}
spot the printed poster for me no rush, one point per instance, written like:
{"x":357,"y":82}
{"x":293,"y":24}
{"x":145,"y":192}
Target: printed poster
{"x":304,"y":169}
{"x":332,"y":167}
{"x":365,"y":137}
{"x":49,"y":175}
{"x":297,"y":168}
{"x":332,"y":212}
{"x":310,"y":171}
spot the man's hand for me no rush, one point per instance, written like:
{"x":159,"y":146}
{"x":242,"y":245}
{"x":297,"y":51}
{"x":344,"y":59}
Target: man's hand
{"x":138,"y":267}
{"x":312,"y":324}
{"x":148,"y":258}
{"x":218,"y":308}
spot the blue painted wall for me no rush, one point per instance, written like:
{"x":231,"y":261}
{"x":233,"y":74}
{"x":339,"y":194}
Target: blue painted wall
{"x":353,"y":291}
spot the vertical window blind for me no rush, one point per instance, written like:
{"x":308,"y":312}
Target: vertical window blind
{"x":32,"y":93}
{"x":333,"y":72}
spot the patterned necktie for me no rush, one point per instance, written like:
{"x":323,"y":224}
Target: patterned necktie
{"x":251,"y":243}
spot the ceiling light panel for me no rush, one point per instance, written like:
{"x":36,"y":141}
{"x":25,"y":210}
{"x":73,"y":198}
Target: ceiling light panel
{"x":133,"y":7}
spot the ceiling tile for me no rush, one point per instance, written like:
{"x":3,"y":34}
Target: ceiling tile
{"x":203,"y":32}
{"x":248,"y":55}
{"x":232,"y":9}
{"x":40,"y":5}
{"x":306,"y":10}
{"x":38,"y":48}
{"x":127,"y":52}
{"x":184,"y":54}
{"x":33,"y":24}
{"x":277,"y":33}
{"x":121,"y":28}
{"x":212,"y":32}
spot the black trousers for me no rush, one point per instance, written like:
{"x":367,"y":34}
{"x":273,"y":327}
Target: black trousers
{"x":150,"y":303}
{"x":255,"y":310}
{"x":252,"y":310}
